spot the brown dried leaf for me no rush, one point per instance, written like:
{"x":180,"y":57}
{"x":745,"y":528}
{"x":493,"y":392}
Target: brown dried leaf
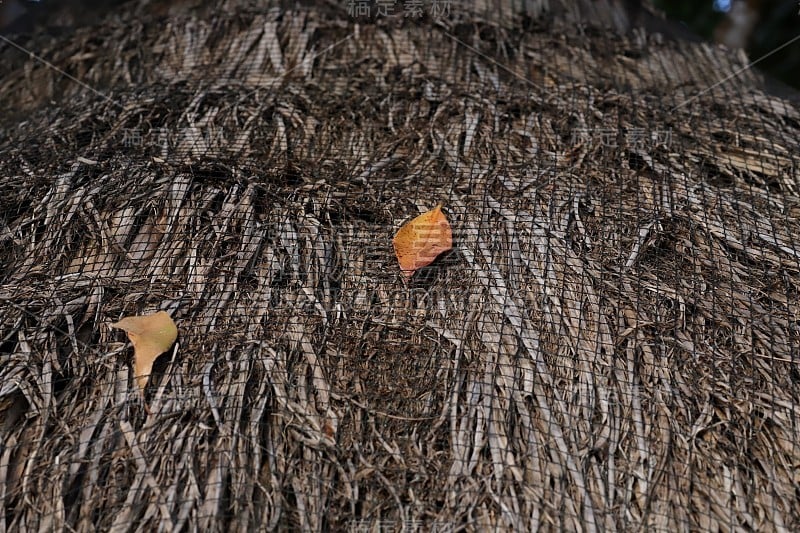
{"x":151,"y":335}
{"x":421,"y":240}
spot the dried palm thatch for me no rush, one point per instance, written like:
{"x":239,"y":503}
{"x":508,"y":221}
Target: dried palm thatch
{"x":612,"y":345}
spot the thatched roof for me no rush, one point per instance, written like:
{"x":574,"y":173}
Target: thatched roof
{"x":612,"y":344}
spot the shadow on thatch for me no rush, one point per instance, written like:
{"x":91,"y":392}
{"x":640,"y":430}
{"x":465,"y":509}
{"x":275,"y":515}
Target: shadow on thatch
{"x":612,"y":345}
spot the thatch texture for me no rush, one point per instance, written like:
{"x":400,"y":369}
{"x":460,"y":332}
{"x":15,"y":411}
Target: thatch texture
{"x":612,"y":345}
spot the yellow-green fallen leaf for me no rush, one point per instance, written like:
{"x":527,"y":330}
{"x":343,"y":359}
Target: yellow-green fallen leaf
{"x":151,"y":335}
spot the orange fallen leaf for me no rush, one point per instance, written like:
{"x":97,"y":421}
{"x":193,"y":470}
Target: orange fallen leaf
{"x":421,"y":240}
{"x":151,"y":335}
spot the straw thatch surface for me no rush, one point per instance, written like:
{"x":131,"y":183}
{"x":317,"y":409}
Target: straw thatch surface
{"x":613,"y":345}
